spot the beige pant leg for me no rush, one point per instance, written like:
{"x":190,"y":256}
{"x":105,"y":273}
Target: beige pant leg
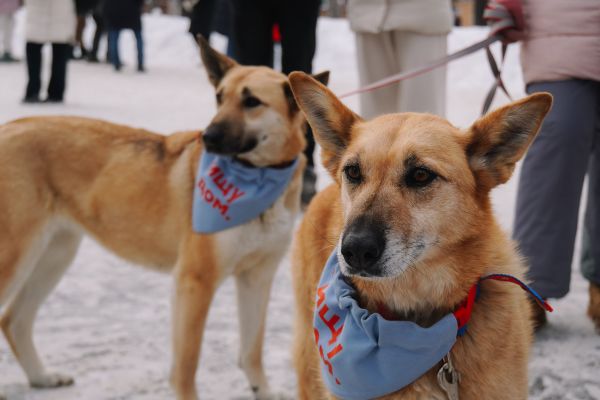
{"x":376,"y":59}
{"x":6,"y":28}
{"x":425,"y":93}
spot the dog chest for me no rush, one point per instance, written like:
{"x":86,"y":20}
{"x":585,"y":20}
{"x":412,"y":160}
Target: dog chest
{"x":269,"y":233}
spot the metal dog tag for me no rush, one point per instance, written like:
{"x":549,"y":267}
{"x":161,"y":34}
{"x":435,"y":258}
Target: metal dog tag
{"x":448,"y":379}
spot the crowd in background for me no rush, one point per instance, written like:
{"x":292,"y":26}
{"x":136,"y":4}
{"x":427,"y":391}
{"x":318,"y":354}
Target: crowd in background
{"x":560,"y":55}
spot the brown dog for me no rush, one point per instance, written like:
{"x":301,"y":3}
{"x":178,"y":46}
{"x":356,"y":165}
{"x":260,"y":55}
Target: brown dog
{"x":411,"y":217}
{"x":62,"y":177}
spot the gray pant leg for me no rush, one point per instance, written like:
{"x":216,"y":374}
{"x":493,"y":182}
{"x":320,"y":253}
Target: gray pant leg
{"x":590,"y":254}
{"x":550,"y":185}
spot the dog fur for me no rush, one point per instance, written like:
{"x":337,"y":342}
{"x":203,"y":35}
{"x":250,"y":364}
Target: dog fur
{"x":439,"y":238}
{"x":131,"y":190}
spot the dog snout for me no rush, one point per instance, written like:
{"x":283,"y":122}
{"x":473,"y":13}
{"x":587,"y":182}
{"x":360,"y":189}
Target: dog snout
{"x":362,"y":246}
{"x":213,"y":138}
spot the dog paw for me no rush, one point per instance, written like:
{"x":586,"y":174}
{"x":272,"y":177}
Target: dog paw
{"x":52,"y":380}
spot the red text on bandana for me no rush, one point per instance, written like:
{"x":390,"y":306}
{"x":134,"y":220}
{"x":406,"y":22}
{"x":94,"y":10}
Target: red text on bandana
{"x":227,"y":194}
{"x":332,"y":322}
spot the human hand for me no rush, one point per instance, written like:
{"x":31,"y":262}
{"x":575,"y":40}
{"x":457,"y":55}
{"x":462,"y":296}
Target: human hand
{"x":505,"y":18}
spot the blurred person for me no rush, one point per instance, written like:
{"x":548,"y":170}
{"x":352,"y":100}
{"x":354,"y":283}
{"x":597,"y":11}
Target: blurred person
{"x":119,"y":15}
{"x":560,"y":54}
{"x":207,"y":16}
{"x":48,"y":21}
{"x":7,"y":24}
{"x":202,"y":13}
{"x":98,"y":16}
{"x":252,"y":34}
{"x":394,"y":36}
{"x":83,"y":9}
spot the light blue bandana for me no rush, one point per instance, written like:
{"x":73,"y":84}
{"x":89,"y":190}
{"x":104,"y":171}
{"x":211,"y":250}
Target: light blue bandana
{"x":228,"y":193}
{"x":364,"y":356}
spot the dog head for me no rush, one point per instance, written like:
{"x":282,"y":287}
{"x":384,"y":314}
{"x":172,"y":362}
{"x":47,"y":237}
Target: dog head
{"x":414,"y":188}
{"x":257,"y":118}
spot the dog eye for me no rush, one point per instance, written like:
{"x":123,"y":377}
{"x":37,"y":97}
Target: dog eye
{"x":419,"y":177}
{"x":251,"y":102}
{"x":352,"y":173}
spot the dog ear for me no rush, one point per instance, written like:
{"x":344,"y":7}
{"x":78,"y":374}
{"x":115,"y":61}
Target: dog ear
{"x":322,"y":77}
{"x":499,"y":139}
{"x":216,"y":64}
{"x":329,"y":118}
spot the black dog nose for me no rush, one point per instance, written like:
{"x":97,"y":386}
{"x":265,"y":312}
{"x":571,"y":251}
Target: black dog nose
{"x":213,"y":137}
{"x":362,"y":247}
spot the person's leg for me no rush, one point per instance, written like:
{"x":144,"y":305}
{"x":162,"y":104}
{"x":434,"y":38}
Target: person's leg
{"x":6,"y":32}
{"x":61,"y":53}
{"x":550,"y":186}
{"x":7,"y":25}
{"x":81,"y":19}
{"x":376,"y":60}
{"x":33,"y":53}
{"x":113,"y":48}
{"x":252,"y":31}
{"x":590,"y":254}
{"x":99,"y":21}
{"x":202,"y":18}
{"x":298,"y":25}
{"x":425,"y":93}
{"x":139,"y":41}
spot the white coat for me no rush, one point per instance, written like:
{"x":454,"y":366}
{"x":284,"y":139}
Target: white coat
{"x":50,"y":21}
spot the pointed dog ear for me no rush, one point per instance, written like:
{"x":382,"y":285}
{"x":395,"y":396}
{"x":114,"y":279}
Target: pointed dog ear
{"x":329,"y":118}
{"x":500,"y":139}
{"x":322,"y":77}
{"x":216,"y":64}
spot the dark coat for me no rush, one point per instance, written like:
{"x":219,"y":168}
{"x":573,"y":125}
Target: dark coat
{"x":123,"y":14}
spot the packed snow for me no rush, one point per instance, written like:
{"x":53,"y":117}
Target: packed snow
{"x":108,"y":322}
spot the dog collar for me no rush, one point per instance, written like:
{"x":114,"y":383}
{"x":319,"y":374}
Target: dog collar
{"x":228,"y":193}
{"x":364,"y":355}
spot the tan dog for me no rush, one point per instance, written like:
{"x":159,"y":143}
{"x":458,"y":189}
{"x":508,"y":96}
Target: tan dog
{"x":411,"y":216}
{"x":130,"y":189}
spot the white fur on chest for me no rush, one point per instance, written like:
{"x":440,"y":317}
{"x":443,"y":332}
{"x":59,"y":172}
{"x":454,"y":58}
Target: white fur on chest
{"x":267,"y":235}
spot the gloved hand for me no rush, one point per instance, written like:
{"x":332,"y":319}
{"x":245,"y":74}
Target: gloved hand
{"x":505,"y":18}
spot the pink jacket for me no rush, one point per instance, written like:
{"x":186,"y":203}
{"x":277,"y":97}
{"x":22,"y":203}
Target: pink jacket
{"x":9,"y":6}
{"x":563,"y":40}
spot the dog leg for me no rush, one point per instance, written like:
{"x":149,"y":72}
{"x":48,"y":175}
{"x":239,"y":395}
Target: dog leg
{"x":253,"y":289}
{"x":196,"y":280}
{"x":17,"y":323}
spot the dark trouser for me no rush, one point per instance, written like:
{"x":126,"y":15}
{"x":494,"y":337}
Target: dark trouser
{"x":60,"y":56}
{"x":99,"y":20}
{"x":202,"y":18}
{"x":252,"y":34}
{"x":550,"y":186}
{"x":113,"y":47}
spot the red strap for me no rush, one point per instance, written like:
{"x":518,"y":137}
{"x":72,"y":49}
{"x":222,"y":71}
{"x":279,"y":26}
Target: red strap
{"x":464,"y":309}
{"x":509,"y":278}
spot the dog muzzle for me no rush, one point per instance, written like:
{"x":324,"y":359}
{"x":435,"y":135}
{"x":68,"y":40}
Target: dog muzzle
{"x":364,"y":355}
{"x":228,"y":193}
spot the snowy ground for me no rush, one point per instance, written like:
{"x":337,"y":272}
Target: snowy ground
{"x":108,"y":321}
